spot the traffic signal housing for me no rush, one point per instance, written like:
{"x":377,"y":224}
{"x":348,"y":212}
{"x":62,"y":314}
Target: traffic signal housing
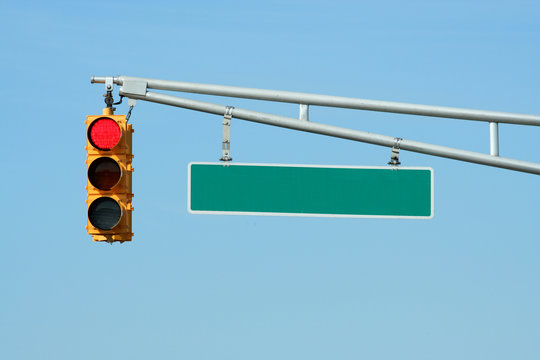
{"x":109,"y":167}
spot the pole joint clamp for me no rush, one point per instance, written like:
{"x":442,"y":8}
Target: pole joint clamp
{"x":109,"y":85}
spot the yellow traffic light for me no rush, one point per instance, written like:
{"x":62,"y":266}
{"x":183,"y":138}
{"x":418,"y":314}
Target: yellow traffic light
{"x":109,"y":167}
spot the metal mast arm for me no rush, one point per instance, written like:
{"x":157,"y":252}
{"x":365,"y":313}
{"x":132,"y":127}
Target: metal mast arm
{"x":331,"y":101}
{"x":136,"y":88}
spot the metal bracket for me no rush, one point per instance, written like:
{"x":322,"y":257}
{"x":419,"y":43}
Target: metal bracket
{"x":494,"y":139}
{"x":394,"y":156}
{"x":132,"y":103}
{"x":226,"y":144}
{"x":304,"y":112}
{"x":133,"y":87}
{"x":109,"y":85}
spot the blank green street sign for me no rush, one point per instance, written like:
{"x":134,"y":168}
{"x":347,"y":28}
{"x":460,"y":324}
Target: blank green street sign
{"x":310,"y":190}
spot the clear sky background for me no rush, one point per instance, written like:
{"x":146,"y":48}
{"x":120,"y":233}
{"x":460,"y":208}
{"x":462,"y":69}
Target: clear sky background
{"x":464,"y":285}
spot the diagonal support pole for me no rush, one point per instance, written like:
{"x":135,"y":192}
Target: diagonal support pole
{"x":344,"y":133}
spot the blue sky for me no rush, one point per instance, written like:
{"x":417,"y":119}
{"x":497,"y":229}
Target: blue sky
{"x":462,"y":285}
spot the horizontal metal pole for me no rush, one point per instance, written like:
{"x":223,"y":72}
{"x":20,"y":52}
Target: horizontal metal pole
{"x":343,"y":133}
{"x":332,"y":101}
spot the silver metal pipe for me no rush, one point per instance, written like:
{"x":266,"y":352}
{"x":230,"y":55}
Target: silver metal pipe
{"x":333,"y":101}
{"x":494,"y":139}
{"x":344,"y":133}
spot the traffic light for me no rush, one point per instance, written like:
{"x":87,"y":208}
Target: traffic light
{"x":109,"y":167}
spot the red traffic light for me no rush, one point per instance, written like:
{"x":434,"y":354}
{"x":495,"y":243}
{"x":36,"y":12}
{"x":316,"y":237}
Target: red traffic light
{"x":104,"y":134}
{"x":108,"y":169}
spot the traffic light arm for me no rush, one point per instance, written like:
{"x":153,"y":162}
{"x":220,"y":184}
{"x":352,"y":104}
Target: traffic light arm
{"x":136,"y":88}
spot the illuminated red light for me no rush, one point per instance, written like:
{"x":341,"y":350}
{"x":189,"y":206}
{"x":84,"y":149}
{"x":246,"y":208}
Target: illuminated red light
{"x":104,"y":133}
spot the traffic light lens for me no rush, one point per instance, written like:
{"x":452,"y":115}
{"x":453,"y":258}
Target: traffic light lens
{"x":104,"y":213}
{"x":104,"y":173}
{"x":104,"y":133}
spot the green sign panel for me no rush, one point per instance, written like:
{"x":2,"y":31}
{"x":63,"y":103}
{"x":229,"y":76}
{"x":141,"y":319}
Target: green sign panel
{"x":310,"y":190}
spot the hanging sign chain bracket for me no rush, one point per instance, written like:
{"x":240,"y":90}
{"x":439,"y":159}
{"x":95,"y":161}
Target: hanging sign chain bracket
{"x":226,"y":144}
{"x":394,"y":156}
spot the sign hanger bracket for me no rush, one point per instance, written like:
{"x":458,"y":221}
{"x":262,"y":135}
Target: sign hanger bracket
{"x":226,"y":143}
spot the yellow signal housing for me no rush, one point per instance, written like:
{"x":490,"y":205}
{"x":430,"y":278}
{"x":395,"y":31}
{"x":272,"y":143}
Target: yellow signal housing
{"x":109,"y":172}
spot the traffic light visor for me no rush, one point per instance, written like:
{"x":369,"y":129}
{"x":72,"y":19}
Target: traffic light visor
{"x":104,"y":173}
{"x":104,"y":213}
{"x":104,"y":133}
